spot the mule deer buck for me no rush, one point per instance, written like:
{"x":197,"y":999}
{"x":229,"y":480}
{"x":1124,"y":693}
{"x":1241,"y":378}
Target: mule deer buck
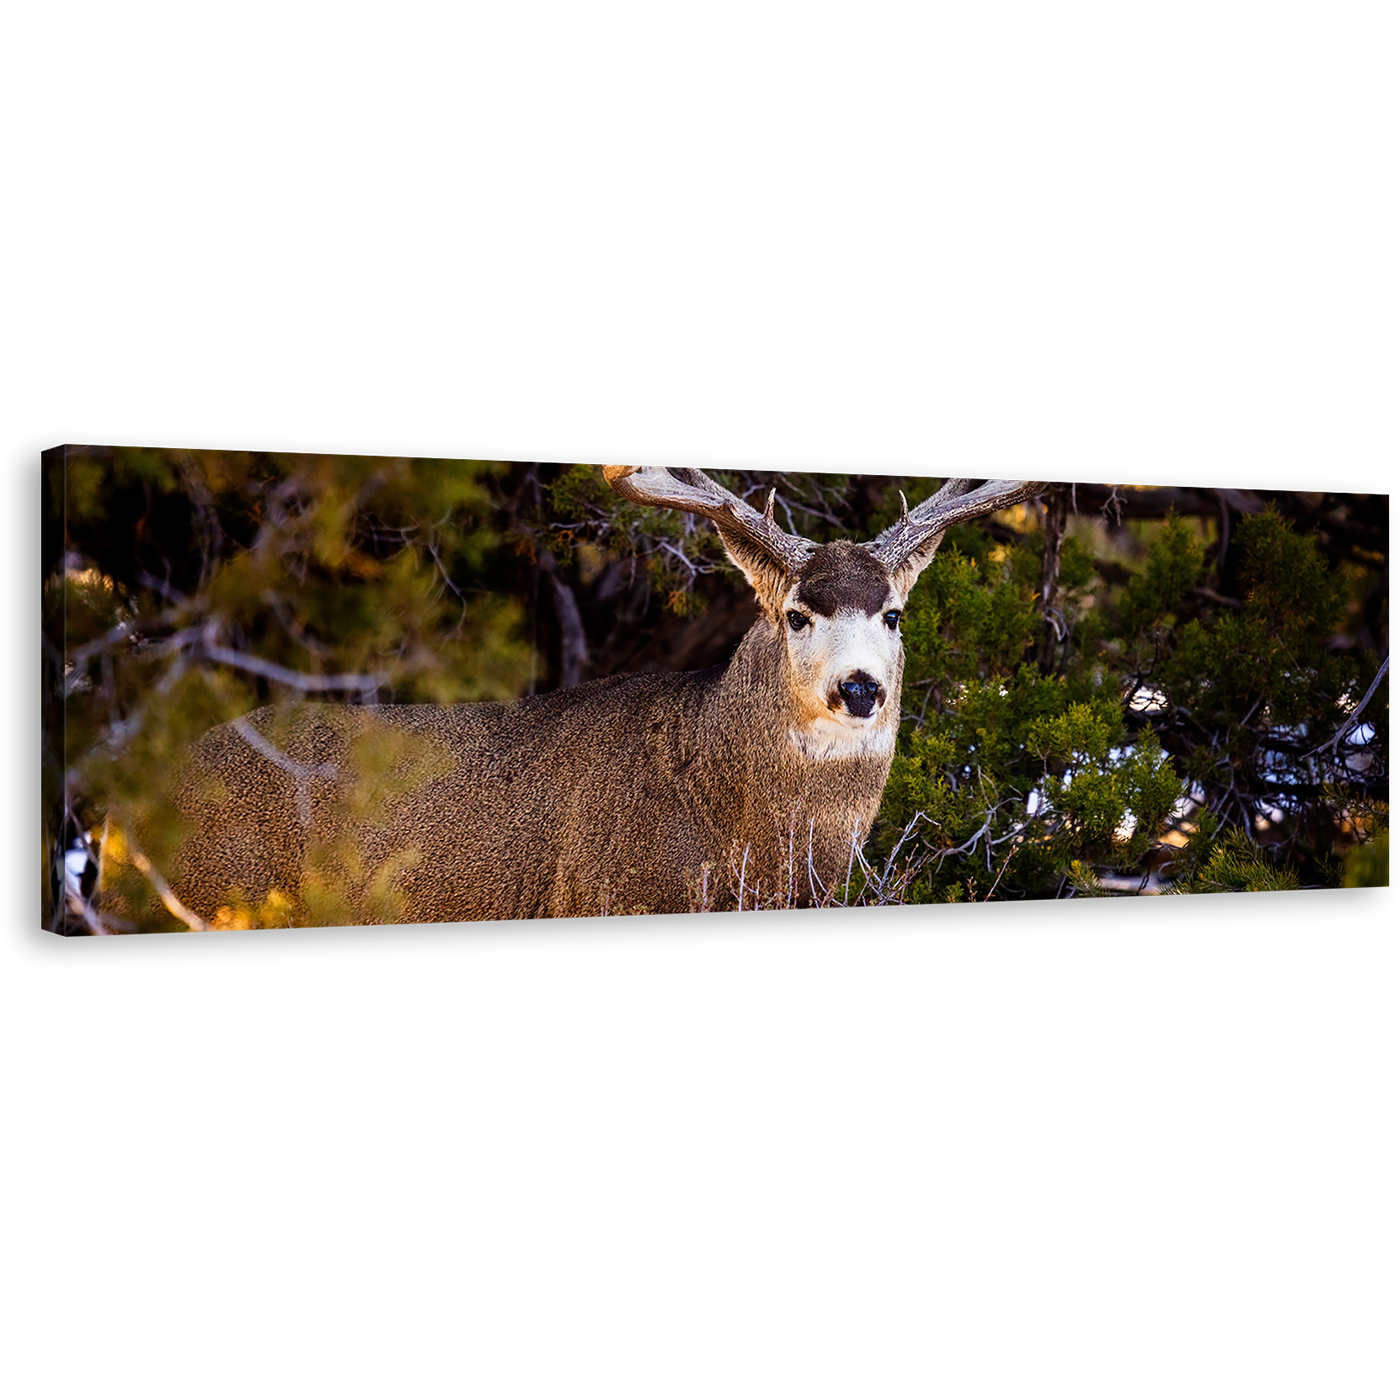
{"x":624,"y":794}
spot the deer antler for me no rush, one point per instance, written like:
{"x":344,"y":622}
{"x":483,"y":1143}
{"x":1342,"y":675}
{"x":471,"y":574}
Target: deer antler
{"x":951,"y":504}
{"x":686,"y":488}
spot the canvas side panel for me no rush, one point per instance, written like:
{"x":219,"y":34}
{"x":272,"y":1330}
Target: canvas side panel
{"x":52,"y":536}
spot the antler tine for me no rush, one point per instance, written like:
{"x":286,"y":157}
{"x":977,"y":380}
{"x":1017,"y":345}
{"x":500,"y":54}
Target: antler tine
{"x":687,"y":488}
{"x":951,"y":504}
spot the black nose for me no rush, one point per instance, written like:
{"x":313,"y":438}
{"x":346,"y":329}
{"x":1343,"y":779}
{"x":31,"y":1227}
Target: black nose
{"x":862,"y":694}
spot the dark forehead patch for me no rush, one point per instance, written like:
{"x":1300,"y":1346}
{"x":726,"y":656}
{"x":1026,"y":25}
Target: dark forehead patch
{"x":843,"y":575}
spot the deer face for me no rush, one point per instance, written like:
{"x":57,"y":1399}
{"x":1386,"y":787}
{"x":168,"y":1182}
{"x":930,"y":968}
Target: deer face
{"x":839,"y":619}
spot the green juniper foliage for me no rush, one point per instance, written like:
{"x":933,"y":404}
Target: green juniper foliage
{"x":183,"y":589}
{"x":1229,"y":864}
{"x":1010,"y":765}
{"x":1170,"y":711}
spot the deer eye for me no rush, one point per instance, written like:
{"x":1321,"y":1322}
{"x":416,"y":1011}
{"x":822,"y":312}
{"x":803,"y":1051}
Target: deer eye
{"x":892,"y":618}
{"x":797,"y":621}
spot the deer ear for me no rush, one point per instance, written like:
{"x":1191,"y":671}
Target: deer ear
{"x":907,"y":574}
{"x":767,"y":576}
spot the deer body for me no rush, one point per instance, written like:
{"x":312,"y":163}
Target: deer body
{"x":641,"y":793}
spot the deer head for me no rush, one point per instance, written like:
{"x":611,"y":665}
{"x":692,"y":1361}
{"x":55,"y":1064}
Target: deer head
{"x":836,"y":607}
